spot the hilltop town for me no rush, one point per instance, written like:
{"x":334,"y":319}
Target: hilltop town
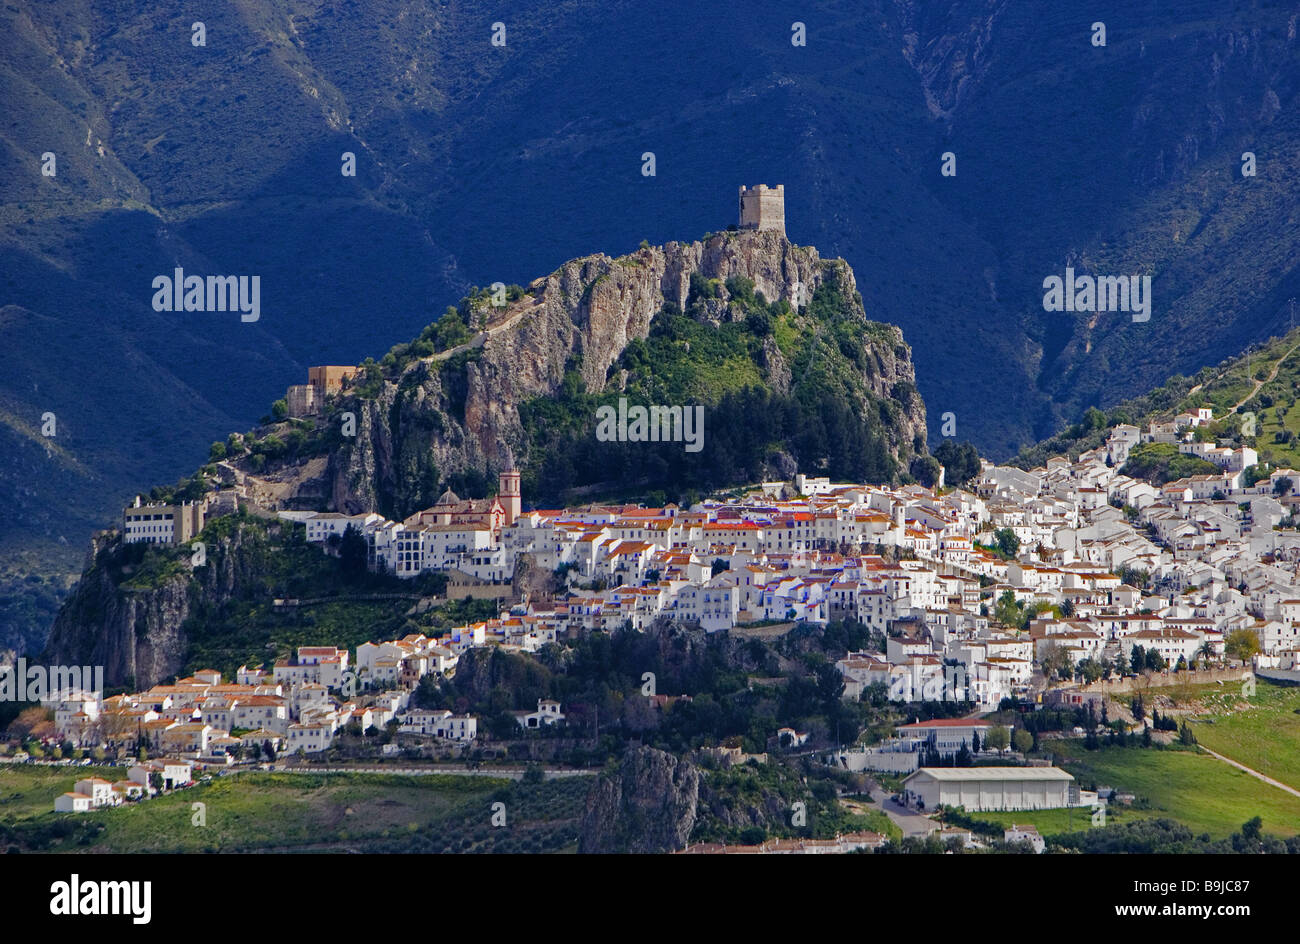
{"x":943,"y":615}
{"x":983,"y":593}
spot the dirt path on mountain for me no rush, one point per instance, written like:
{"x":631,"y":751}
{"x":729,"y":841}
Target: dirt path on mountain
{"x":1254,"y":773}
{"x":481,"y":337}
{"x":1259,"y":384}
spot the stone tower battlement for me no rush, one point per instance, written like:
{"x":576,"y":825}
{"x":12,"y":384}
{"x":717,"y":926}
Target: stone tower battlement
{"x":763,"y":207}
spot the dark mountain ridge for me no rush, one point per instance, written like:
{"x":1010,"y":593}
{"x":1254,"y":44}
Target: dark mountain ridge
{"x":478,"y":164}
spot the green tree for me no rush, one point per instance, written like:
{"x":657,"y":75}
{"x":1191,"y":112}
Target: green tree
{"x":925,"y":469}
{"x":352,"y":551}
{"x":1251,"y":828}
{"x":761,"y":322}
{"x":451,"y":330}
{"x":1008,"y":611}
{"x":1006,"y":542}
{"x":280,"y":409}
{"x":998,"y":739}
{"x":1242,"y":644}
{"x":1135,"y":578}
{"x":1251,"y":475}
{"x":961,"y":463}
{"x":1023,"y":740}
{"x":1056,"y":661}
{"x":273,"y":447}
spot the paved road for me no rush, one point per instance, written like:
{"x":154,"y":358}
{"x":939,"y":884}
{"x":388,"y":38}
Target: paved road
{"x":910,"y":822}
{"x":503,"y":774}
{"x":1254,"y":773}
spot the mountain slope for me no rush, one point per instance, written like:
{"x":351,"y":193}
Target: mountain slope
{"x":478,"y":164}
{"x":1255,"y":391}
{"x":681,"y":325}
{"x":686,"y":324}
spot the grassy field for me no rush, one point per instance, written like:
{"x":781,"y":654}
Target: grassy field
{"x":1194,"y":788}
{"x":1262,"y":732}
{"x":1054,"y":822}
{"x":28,"y":790}
{"x":266,"y":812}
{"x":1202,"y":793}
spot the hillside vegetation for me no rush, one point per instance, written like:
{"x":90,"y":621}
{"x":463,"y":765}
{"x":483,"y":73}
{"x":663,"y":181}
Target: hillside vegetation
{"x":758,"y":423}
{"x":1263,"y":384}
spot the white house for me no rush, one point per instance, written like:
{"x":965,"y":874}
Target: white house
{"x":72,"y":803}
{"x":547,"y":714}
{"x":1027,"y":834}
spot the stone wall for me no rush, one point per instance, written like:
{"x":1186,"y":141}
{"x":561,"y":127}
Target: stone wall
{"x":1166,"y":679}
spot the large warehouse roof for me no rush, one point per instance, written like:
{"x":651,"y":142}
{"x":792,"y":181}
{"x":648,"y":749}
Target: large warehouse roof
{"x":959,"y":774}
{"x":946,"y":723}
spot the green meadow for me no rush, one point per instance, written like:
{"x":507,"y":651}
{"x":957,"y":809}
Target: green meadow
{"x":290,"y":812}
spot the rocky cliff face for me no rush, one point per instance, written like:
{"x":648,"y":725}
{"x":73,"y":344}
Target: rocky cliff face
{"x":949,"y":46}
{"x":441,"y":417}
{"x":135,"y":629}
{"x":648,"y":806}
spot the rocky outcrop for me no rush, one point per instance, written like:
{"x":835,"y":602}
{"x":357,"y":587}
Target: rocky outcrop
{"x":649,"y":805}
{"x":443,"y":416}
{"x":135,"y":628}
{"x":763,"y":807}
{"x":134,"y":635}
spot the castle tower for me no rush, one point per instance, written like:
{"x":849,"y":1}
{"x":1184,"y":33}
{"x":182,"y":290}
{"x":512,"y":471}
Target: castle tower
{"x":763,"y":208}
{"x":509,"y":493}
